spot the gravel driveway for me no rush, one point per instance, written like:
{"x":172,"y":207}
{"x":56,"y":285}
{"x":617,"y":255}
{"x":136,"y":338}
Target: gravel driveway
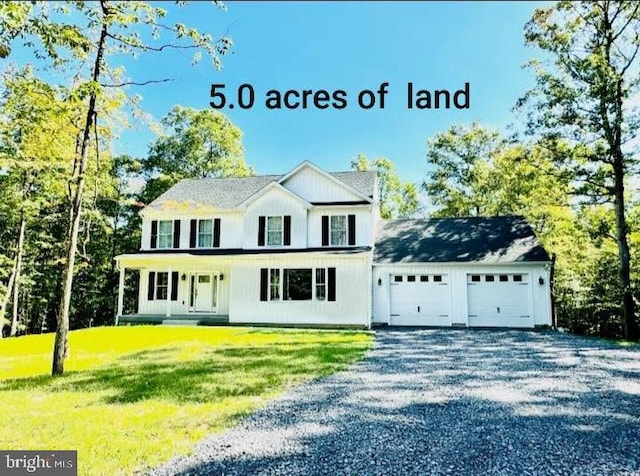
{"x":448,"y":402}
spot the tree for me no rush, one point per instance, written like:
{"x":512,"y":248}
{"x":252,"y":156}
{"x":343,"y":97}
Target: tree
{"x":398,"y":199}
{"x":198,"y":144}
{"x":588,"y":96}
{"x":458,"y":183}
{"x":36,"y":135}
{"x":95,"y":30}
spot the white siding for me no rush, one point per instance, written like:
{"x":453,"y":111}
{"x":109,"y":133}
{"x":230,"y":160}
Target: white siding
{"x":314,"y":187}
{"x":351,"y":307}
{"x":276,"y":202}
{"x":364,"y":223}
{"x":540,"y":303}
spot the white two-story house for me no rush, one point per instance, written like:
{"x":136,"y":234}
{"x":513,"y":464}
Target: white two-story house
{"x":309,"y":248}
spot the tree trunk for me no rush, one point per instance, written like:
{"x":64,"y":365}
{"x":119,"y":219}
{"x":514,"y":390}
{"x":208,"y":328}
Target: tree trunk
{"x":61,"y":345}
{"x":6,"y":297}
{"x":18,"y":270}
{"x":17,"y":265}
{"x":628,"y":311}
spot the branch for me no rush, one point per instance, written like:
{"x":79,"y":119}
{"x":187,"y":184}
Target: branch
{"x":151,"y":48}
{"x":630,"y":61}
{"x":134,"y":83}
{"x":624,"y":27}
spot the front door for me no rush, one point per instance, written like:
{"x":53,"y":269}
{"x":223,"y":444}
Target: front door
{"x":206,"y":292}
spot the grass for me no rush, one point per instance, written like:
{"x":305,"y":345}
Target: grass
{"x":132,"y":397}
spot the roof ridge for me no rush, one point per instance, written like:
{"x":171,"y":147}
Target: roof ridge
{"x":453,"y":218}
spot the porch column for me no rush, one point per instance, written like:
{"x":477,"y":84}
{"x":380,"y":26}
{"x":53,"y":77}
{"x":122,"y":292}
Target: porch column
{"x":120,"y":294}
{"x":169,"y":290}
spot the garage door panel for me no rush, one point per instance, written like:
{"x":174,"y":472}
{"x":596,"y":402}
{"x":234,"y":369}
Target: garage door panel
{"x":499,"y":300}
{"x":420,"y":300}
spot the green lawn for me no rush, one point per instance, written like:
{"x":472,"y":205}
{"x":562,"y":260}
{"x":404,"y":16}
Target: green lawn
{"x":132,"y":397}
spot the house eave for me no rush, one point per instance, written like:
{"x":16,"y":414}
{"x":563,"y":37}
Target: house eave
{"x":459,"y":263}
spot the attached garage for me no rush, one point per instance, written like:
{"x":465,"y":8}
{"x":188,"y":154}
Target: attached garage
{"x":420,"y":300}
{"x":476,"y":272}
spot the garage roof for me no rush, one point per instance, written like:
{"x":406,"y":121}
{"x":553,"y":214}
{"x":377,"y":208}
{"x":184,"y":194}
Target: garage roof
{"x":494,"y":240}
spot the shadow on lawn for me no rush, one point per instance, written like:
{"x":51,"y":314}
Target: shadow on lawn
{"x":209,"y":376}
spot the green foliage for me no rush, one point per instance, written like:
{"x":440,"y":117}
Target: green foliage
{"x":197,"y":144}
{"x":398,"y":199}
{"x":458,"y":184}
{"x":587,"y":95}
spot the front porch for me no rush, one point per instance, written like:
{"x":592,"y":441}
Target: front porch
{"x":171,"y":287}
{"x":177,"y":320}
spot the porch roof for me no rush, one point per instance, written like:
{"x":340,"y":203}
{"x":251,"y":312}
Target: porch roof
{"x":219,"y":257}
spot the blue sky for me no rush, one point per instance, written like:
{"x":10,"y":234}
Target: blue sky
{"x":350,"y":46}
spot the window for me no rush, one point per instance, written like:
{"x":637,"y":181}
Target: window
{"x":424,"y":278}
{"x":165,"y":234}
{"x":504,"y":278}
{"x":205,"y":233}
{"x":321,"y":284}
{"x":274,"y":231}
{"x":296,"y":284}
{"x":489,"y":278}
{"x":517,"y":277}
{"x":162,"y":285}
{"x":274,"y":285}
{"x":397,"y":278}
{"x":475,"y":278}
{"x":437,"y":278}
{"x":411,"y":279}
{"x":338,"y":230}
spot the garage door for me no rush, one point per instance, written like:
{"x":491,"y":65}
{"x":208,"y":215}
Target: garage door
{"x":420,"y":300}
{"x":499,"y":300}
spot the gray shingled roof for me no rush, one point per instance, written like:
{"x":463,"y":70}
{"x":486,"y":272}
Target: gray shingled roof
{"x":231,"y":192}
{"x":492,"y":240}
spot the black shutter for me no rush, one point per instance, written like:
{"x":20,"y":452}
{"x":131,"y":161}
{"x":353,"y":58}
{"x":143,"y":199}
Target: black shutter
{"x":352,"y":229}
{"x":174,"y":286}
{"x":193,"y":233}
{"x":176,"y":233}
{"x":154,"y":234}
{"x":331,"y":284}
{"x":261,"y":225}
{"x":285,"y":285}
{"x":264,"y":283}
{"x":287,"y":230}
{"x":216,"y":233}
{"x":325,"y":230}
{"x":152,"y":285}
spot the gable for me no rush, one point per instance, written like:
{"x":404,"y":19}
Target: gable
{"x":318,"y":187}
{"x":275,"y":197}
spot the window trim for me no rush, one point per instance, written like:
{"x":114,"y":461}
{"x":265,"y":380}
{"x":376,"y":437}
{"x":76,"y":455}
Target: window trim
{"x":320,"y":284}
{"x":159,"y":286}
{"x":266,"y":230}
{"x":160,"y":234}
{"x":200,"y":220}
{"x":346,"y":229}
